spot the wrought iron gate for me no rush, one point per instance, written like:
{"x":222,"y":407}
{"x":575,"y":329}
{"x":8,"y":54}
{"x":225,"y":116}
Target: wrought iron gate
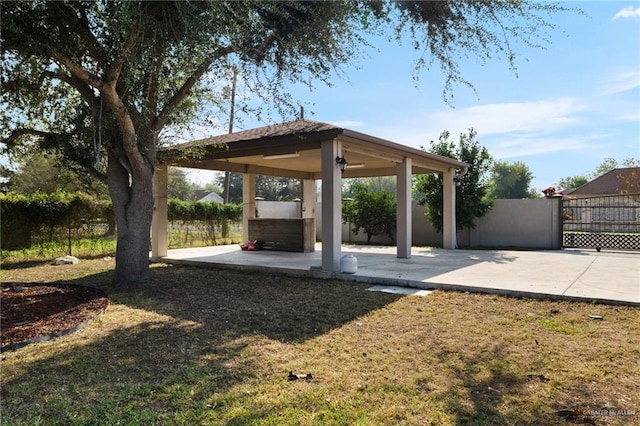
{"x":611,"y":221}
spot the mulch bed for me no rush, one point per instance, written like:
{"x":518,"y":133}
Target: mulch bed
{"x":36,"y":312}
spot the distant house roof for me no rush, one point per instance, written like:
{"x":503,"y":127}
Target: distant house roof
{"x":211,"y":197}
{"x":200,"y":193}
{"x":615,"y":181}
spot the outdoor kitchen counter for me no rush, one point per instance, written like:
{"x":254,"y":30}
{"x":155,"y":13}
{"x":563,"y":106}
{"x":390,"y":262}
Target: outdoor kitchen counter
{"x":284,"y":234}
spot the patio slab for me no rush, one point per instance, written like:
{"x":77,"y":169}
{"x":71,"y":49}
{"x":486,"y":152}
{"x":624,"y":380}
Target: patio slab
{"x":584,"y":275}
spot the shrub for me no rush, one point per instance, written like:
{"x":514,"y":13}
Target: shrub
{"x":372,"y":211}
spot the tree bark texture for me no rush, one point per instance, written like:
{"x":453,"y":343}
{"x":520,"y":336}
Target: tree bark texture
{"x":133,"y":207}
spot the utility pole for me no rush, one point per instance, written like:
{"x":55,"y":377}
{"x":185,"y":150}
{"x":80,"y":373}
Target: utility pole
{"x":225,"y":191}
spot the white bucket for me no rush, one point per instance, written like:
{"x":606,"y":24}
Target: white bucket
{"x":348,"y":264}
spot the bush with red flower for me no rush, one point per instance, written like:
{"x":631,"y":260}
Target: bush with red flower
{"x":551,"y":192}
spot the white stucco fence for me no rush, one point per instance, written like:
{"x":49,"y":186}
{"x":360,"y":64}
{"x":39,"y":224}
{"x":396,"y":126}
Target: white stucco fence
{"x":523,"y":224}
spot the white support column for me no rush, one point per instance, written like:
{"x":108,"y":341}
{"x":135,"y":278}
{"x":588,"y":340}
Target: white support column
{"x":159,"y":220}
{"x":309,"y":199}
{"x":331,"y":206}
{"x":403,"y":212}
{"x":449,"y":210}
{"x":248,"y":202}
{"x":309,"y":191}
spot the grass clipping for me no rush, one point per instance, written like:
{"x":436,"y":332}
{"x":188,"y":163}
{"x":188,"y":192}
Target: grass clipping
{"x":205,"y":346}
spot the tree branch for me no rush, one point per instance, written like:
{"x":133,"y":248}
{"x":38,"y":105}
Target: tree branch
{"x":19,"y":132}
{"x":78,"y":72}
{"x":82,"y":87}
{"x":10,"y":142}
{"x":82,"y":29}
{"x":180,"y":95}
{"x":184,"y":91}
{"x":151,"y":89}
{"x":127,"y":128}
{"x":257,"y":53}
{"x":115,"y":104}
{"x":113,"y":72}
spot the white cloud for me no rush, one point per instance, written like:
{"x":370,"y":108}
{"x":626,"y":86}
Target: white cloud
{"x":526,"y":146}
{"x":621,"y":81}
{"x":531,"y":147}
{"x":627,"y":12}
{"x":630,"y":116}
{"x":508,"y":130}
{"x":414,"y":134}
{"x":488,"y":119}
{"x":492,"y":119}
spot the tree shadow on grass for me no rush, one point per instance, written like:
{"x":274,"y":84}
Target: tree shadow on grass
{"x":24,"y":264}
{"x":490,"y":380}
{"x":153,"y":369}
{"x":139,"y":374}
{"x":237,"y":303}
{"x":486,"y":378}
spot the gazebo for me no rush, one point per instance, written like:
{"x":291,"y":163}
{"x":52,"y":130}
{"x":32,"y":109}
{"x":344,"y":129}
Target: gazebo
{"x":310,"y":151}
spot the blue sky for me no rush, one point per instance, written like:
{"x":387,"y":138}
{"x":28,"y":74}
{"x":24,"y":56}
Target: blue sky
{"x":570,"y":106}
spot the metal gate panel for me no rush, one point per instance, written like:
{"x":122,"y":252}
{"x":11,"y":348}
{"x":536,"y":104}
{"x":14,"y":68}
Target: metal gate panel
{"x":611,"y":221}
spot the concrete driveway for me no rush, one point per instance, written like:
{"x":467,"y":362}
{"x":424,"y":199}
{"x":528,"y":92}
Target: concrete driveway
{"x":583,"y":275}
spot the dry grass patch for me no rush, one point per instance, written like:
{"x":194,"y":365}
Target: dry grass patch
{"x":202,"y":346}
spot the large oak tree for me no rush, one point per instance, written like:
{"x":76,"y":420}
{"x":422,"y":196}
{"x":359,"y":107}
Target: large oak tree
{"x":98,"y":81}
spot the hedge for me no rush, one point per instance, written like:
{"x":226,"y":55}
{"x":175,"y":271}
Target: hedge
{"x":197,"y":211}
{"x":39,"y":218}
{"x":198,"y":223}
{"x":29,"y":219}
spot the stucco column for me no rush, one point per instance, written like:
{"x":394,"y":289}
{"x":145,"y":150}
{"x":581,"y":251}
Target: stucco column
{"x":309,"y":191}
{"x":309,"y":199}
{"x":403,"y":209}
{"x":159,"y":222}
{"x":248,"y":202}
{"x":331,"y":206}
{"x":557,"y":222}
{"x":449,"y":209}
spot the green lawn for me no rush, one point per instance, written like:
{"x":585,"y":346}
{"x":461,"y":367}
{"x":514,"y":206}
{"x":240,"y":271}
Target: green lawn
{"x":204,"y":346}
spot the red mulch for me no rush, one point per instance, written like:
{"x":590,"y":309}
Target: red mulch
{"x":33,"y":312}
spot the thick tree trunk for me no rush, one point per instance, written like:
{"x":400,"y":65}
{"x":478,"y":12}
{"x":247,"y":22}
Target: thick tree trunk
{"x":133,"y":206}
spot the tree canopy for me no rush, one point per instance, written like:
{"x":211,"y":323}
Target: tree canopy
{"x":511,"y":180}
{"x":472,"y":188}
{"x":611,"y":163}
{"x":571,"y":182}
{"x":371,"y":210}
{"x":178,"y":186}
{"x":375,"y":184}
{"x":100,"y":81}
{"x":38,"y":172}
{"x":269,"y":188}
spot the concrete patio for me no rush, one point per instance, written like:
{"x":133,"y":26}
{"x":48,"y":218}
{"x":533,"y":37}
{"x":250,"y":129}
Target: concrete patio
{"x":580,"y":275}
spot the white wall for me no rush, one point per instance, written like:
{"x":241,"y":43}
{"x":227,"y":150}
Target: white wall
{"x":278,"y":209}
{"x":535,"y":224}
{"x":525,"y":224}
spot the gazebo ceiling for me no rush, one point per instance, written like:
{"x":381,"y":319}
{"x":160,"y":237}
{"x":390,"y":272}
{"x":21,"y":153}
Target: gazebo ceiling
{"x":292,"y":150}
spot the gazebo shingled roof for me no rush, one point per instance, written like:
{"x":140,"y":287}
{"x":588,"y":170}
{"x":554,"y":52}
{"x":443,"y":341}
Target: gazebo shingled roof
{"x":245,"y":151}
